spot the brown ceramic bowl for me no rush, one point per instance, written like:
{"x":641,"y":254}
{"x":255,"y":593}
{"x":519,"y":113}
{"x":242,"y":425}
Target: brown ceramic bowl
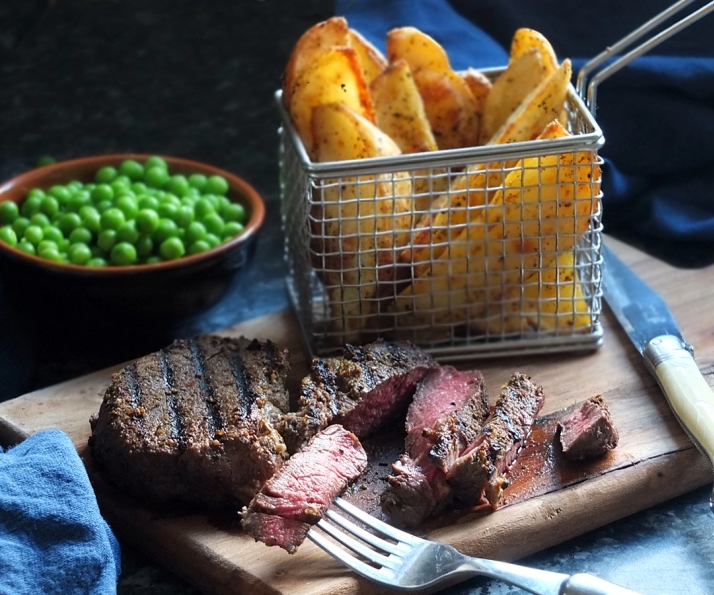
{"x":162,"y":293}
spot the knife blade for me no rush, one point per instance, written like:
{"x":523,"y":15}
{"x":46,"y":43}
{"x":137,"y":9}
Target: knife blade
{"x":669,"y":357}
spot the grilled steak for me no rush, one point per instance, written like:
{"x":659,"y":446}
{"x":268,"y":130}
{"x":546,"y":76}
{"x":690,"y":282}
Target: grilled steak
{"x":298,"y":495}
{"x":362,"y":390}
{"x":588,"y":431}
{"x":445,"y":416}
{"x":481,"y":469}
{"x":194,"y":422}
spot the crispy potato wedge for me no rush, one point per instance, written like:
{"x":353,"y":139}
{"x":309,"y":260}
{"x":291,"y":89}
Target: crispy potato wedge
{"x":357,"y":222}
{"x":526,"y":39}
{"x":399,"y":109}
{"x":523,"y":74}
{"x":334,"y":77}
{"x":319,"y":38}
{"x":372,"y":60}
{"x":542,"y":105}
{"x":421,"y":51}
{"x":546,"y":205}
{"x":450,"y":107}
{"x":480,"y":86}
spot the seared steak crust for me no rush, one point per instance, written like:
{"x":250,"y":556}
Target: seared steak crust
{"x":588,"y":431}
{"x":194,"y":421}
{"x":481,"y":469}
{"x":444,"y":418}
{"x":362,"y":390}
{"x":298,"y":495}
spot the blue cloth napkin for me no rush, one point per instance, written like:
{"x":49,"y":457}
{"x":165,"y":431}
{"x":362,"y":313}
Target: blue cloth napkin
{"x":657,"y":114}
{"x":53,"y":538}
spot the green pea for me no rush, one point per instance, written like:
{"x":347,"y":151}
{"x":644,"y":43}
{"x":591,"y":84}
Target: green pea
{"x":112,"y":218}
{"x":46,"y":160}
{"x":204,"y":206}
{"x":148,"y":202}
{"x":127,"y":232}
{"x":106,"y":239}
{"x":61,"y":193}
{"x":167,"y":228}
{"x":9,"y":211}
{"x":128,"y":205}
{"x":232,"y":229}
{"x":195,"y":232}
{"x":155,"y":161}
{"x":33,"y":234}
{"x":214,"y":224}
{"x":147,"y":221}
{"x":212,"y":239}
{"x":121,"y":184}
{"x":45,"y":245}
{"x":104,"y":205}
{"x":139,"y":188}
{"x":123,"y":254}
{"x":97,"y":262}
{"x":49,"y":253}
{"x":172,"y":249}
{"x":50,"y":232}
{"x":25,"y":246}
{"x":178,"y":185}
{"x":102,"y":192}
{"x":153,"y":260}
{"x":198,"y":247}
{"x":156,"y":177}
{"x":74,"y":186}
{"x":8,"y":235}
{"x":79,"y":253}
{"x":132,"y":169}
{"x":91,"y":219}
{"x":31,"y":206}
{"x":216,"y":185}
{"x":105,"y":175}
{"x":197,"y":181}
{"x":234,"y":212}
{"x":168,"y":210}
{"x":80,"y":235}
{"x":184,"y":216}
{"x":144,"y":246}
{"x":68,"y":222}
{"x":20,"y":225}
{"x":78,"y":200}
{"x":40,"y":219}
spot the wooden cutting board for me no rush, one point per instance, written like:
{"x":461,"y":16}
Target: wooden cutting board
{"x":653,"y":462}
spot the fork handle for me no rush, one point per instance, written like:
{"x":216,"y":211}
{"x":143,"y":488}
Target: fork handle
{"x":587,"y":584}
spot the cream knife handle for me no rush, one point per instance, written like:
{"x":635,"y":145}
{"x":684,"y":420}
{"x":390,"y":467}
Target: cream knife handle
{"x":687,"y":392}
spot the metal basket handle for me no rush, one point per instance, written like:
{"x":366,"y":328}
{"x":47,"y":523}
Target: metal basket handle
{"x":588,"y":90}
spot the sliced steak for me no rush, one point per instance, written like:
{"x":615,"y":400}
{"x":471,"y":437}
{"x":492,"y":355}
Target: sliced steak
{"x":362,"y":390}
{"x":298,"y":495}
{"x":194,"y":422}
{"x":588,"y":431}
{"x":480,"y":471}
{"x":445,"y":416}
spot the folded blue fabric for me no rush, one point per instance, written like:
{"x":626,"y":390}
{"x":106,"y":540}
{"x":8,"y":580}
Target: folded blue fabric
{"x":53,"y":538}
{"x":657,"y":114}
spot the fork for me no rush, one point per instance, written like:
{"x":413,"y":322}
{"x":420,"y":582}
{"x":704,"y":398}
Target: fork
{"x":410,"y":563}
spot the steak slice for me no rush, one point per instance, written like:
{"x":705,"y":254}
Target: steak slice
{"x":194,"y":422}
{"x":298,"y":495}
{"x":480,"y":471}
{"x":588,"y":431}
{"x":362,"y":390}
{"x":444,"y":418}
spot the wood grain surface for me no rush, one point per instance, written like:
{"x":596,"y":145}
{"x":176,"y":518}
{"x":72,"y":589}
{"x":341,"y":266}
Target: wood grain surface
{"x":654,"y":461}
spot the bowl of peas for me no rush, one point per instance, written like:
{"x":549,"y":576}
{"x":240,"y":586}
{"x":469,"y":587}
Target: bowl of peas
{"x":126,"y":237}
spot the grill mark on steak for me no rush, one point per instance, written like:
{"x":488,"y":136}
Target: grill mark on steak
{"x":241,"y":383}
{"x":362,"y":390}
{"x":174,"y":426}
{"x":177,"y":426}
{"x":213,"y":416}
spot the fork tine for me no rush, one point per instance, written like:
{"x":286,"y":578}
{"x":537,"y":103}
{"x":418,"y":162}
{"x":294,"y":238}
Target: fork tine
{"x":381,"y":575}
{"x":357,"y":546}
{"x":370,"y":538}
{"x":374,"y":523}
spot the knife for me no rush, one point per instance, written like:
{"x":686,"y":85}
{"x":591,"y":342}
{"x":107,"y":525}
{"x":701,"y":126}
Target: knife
{"x":650,"y":325}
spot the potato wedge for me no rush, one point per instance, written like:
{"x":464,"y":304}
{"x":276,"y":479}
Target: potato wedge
{"x":542,"y":105}
{"x":335,"y":77}
{"x":526,"y":39}
{"x":523,"y":74}
{"x":356,"y":222}
{"x":371,"y":59}
{"x":480,"y":86}
{"x":421,"y":51}
{"x":450,"y":107}
{"x":319,"y":38}
{"x":399,"y":109}
{"x":546,"y":205}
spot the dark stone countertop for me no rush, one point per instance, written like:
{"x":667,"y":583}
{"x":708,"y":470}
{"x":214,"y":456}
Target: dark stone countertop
{"x":196,"y":79}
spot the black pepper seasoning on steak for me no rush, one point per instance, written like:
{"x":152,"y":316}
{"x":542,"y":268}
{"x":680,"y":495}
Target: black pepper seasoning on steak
{"x":194,"y":422}
{"x":362,"y":390}
{"x":481,"y":469}
{"x":298,"y":495}
{"x":444,"y":418}
{"x":588,"y":431}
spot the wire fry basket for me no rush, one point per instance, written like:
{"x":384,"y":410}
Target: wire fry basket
{"x":513,"y":266}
